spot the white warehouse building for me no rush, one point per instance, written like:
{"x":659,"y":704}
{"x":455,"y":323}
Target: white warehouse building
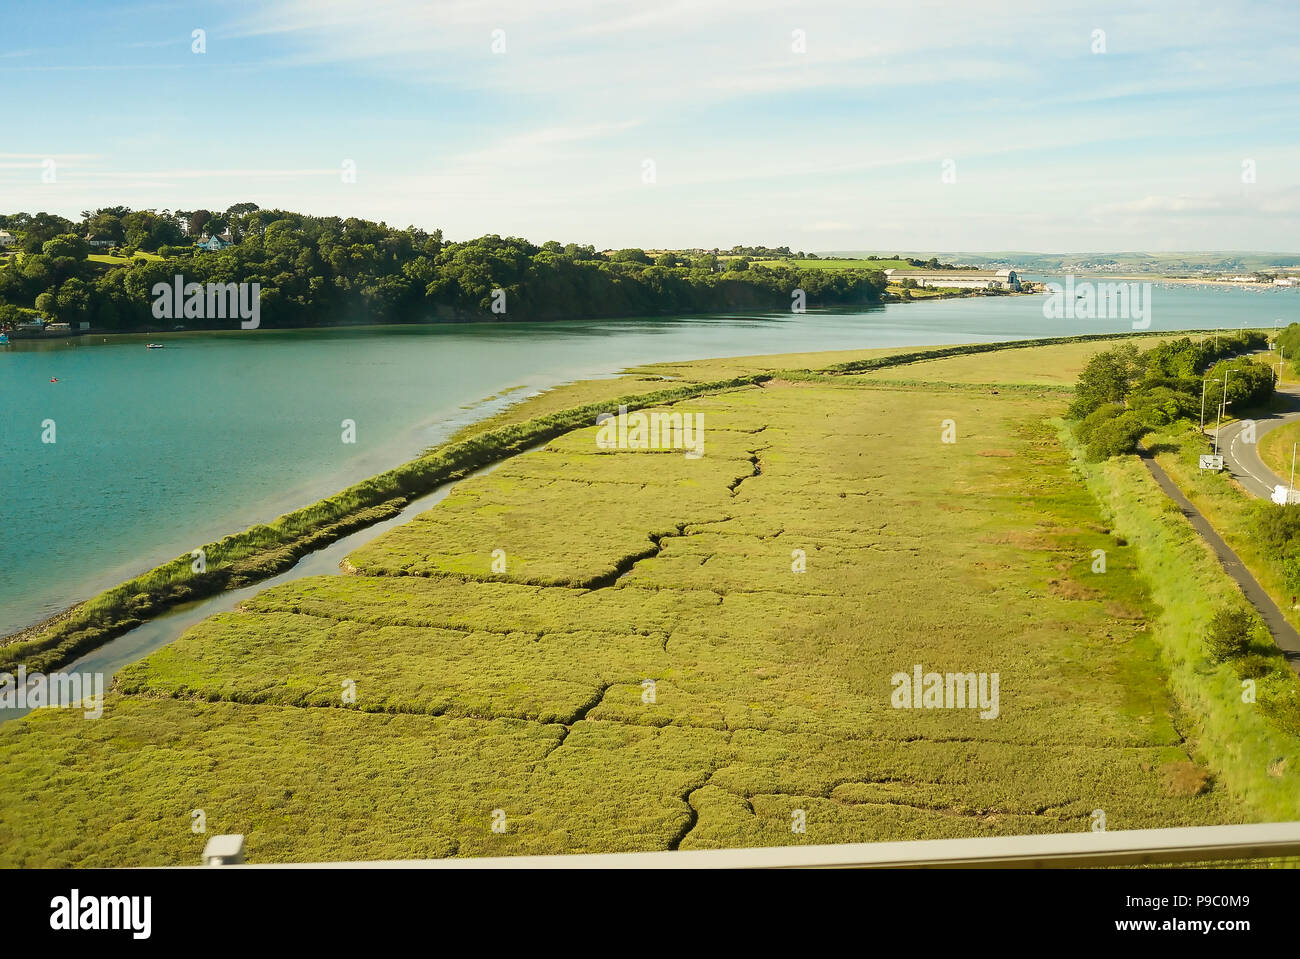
{"x":958,"y":279}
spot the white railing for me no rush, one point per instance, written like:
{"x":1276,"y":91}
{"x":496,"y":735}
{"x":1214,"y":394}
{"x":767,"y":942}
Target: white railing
{"x":1115,"y":848}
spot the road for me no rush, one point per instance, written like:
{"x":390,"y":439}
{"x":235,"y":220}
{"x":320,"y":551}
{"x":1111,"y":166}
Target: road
{"x":1241,"y":459}
{"x":1284,"y":634}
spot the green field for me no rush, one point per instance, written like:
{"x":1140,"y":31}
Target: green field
{"x":927,"y":292}
{"x":1043,"y":365}
{"x":110,"y":260}
{"x":525,"y":689}
{"x":833,"y":264}
{"x":1276,"y":448}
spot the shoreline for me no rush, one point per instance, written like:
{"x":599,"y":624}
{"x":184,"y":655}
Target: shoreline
{"x":464,"y":320}
{"x":439,"y":425}
{"x":254,"y":554}
{"x":259,"y":552}
{"x":1188,"y":281}
{"x":887,"y":297}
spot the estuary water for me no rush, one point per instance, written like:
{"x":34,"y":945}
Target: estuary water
{"x":156,"y":452}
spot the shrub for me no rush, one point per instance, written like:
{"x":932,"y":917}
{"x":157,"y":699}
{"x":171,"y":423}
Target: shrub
{"x":1232,"y":631}
{"x":1277,"y":526}
{"x":1117,"y":436}
{"x":1161,"y":405}
{"x":1291,"y":569}
{"x":1250,"y":383}
{"x":1259,"y":665}
{"x":1084,"y":429}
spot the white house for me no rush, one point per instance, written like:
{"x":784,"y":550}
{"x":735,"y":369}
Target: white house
{"x":7,"y":238}
{"x":98,"y":242}
{"x":959,"y":279}
{"x":214,"y":243}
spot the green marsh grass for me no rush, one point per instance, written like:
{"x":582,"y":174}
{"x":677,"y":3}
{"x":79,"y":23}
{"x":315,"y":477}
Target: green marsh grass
{"x":525,"y":690}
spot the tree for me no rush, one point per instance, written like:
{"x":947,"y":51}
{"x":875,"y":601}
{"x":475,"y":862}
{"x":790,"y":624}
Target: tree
{"x":1250,"y":383}
{"x":66,"y":244}
{"x":1107,"y":378}
{"x":74,"y":302}
{"x":48,"y":305}
{"x":147,"y":230}
{"x":38,"y":228}
{"x":1117,"y":436}
{"x":196,"y":223}
{"x":315,"y":270}
{"x":106,"y":223}
{"x":630,"y":256}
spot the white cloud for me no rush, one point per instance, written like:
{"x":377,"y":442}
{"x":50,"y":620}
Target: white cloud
{"x":1162,"y":204}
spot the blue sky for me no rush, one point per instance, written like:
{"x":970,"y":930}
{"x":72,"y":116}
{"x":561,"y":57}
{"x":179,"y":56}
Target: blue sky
{"x":1055,"y":145}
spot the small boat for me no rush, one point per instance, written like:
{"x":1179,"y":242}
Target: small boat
{"x":153,"y":346}
{"x":4,"y":339}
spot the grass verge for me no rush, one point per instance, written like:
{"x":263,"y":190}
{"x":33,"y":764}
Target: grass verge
{"x":1251,"y":745}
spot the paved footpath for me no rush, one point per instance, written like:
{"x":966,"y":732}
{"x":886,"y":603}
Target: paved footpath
{"x":1284,"y":634}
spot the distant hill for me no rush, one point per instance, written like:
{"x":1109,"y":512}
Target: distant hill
{"x":1097,"y":262}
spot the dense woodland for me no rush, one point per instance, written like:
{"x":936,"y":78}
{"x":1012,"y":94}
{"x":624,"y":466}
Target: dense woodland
{"x":317,"y":271}
{"x":1123,"y":393}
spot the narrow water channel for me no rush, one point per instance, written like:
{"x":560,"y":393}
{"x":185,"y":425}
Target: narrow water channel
{"x":158,"y":632}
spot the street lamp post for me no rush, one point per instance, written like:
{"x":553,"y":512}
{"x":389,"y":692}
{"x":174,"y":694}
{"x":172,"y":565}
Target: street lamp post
{"x":1223,"y":408}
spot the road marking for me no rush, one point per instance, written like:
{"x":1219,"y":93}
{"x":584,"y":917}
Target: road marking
{"x":1232,"y":433}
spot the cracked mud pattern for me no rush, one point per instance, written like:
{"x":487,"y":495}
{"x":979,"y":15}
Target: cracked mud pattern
{"x":526,"y":690}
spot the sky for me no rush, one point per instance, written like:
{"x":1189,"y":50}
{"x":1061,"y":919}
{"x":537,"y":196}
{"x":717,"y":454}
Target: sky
{"x":835,"y":125}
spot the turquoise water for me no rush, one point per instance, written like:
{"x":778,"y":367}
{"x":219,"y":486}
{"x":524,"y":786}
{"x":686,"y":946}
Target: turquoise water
{"x":160,"y":451}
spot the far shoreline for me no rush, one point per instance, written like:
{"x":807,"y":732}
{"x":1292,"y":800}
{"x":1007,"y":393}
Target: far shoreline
{"x":888,"y":297}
